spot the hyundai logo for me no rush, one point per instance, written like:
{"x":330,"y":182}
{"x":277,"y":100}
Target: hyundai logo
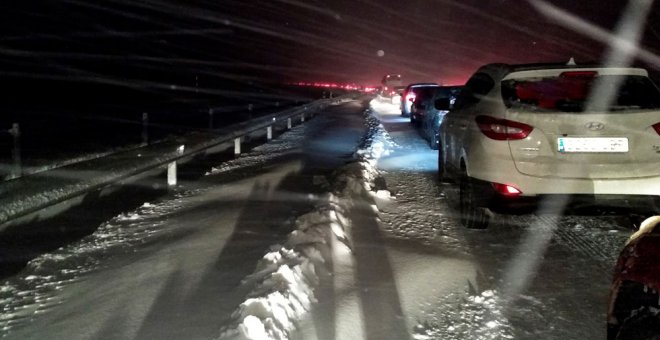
{"x":594,"y":126}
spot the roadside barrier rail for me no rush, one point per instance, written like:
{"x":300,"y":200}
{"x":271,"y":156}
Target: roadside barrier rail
{"x":29,"y":194}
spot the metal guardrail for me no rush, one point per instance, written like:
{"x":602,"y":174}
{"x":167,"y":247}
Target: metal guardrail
{"x":31,"y":199}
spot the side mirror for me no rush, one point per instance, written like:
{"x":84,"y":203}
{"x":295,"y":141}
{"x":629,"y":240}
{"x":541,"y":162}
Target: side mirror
{"x":442,"y":104}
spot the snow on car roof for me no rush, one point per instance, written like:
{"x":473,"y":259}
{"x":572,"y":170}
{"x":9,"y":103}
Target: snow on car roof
{"x":553,"y":72}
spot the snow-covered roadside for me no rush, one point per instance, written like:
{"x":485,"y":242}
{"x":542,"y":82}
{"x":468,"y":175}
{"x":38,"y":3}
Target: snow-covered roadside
{"x":202,"y":235}
{"x":38,"y":288}
{"x":285,"y":278}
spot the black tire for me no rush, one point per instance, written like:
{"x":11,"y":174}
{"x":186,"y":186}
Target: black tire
{"x":634,"y":310}
{"x":442,"y":173}
{"x":644,"y":325}
{"x":433,"y":141}
{"x":473,"y":216}
{"x":441,"y":167}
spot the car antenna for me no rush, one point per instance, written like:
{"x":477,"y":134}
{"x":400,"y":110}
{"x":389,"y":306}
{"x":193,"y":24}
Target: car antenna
{"x":571,"y":62}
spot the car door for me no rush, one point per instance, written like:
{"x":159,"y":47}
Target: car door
{"x":450,"y":133}
{"x":458,"y":122}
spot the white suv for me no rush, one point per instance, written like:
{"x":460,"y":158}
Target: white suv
{"x":521,"y":133}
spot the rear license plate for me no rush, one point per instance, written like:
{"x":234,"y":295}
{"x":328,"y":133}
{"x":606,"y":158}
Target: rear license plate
{"x":592,"y":144}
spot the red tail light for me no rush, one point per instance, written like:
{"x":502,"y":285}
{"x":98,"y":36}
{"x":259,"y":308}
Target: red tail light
{"x":656,"y":127}
{"x":410,"y":97}
{"x":578,"y":74}
{"x":502,"y":129}
{"x":506,"y":189}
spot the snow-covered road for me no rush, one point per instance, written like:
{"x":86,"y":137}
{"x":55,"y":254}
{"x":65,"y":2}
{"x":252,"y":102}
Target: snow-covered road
{"x":173,"y":269}
{"x":183,"y":267}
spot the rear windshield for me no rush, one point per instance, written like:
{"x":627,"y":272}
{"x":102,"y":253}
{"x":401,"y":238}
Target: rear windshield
{"x":570,"y":92}
{"x":424,"y":90}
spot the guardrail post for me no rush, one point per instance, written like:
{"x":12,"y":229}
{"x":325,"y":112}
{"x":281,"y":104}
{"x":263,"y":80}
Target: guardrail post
{"x":269,"y":132}
{"x":145,"y":128}
{"x":237,"y":146}
{"x":15,"y":132}
{"x":302,"y":117}
{"x":288,"y":123}
{"x":171,"y":173}
{"x":210,"y":119}
{"x":171,"y":168}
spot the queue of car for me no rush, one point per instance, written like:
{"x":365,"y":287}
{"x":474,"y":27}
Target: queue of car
{"x":556,"y":137}
{"x":425,"y":116}
{"x":528,"y":135}
{"x":410,"y":93}
{"x":520,"y":137}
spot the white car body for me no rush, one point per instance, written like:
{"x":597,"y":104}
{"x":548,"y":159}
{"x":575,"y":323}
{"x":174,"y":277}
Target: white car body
{"x":594,"y":152}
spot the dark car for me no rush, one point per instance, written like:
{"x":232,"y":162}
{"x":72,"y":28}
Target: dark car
{"x":422,"y":103}
{"x":634,"y":304}
{"x":391,"y":93}
{"x":431,"y":117}
{"x":409,"y":94}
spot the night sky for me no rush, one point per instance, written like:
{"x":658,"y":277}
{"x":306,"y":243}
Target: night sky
{"x":155,"y":44}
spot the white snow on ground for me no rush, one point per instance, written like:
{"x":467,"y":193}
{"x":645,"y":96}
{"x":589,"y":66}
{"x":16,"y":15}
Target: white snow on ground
{"x":82,"y":181}
{"x":30,"y":196}
{"x":287,"y":275}
{"x":449,"y":280}
{"x":263,"y":153}
{"x":41,"y":285}
{"x":566,"y":296}
{"x":36,"y":289}
{"x":477,"y":317}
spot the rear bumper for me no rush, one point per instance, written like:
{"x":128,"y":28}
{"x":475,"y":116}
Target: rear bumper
{"x":494,"y":164}
{"x":644,"y":203}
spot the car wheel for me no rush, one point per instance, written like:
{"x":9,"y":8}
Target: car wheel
{"x":416,"y":123}
{"x":434,"y":140}
{"x":642,"y":324}
{"x":441,"y":166}
{"x":473,"y":216}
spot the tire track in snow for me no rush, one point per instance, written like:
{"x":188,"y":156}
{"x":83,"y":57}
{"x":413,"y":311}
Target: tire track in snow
{"x":590,"y":240}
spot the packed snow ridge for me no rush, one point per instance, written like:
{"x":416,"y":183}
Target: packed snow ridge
{"x":286,"y":276}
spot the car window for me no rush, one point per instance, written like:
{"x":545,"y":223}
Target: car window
{"x":478,"y":85}
{"x":571,"y":93}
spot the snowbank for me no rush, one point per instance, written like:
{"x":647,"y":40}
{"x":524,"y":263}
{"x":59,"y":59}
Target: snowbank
{"x":286,"y":276}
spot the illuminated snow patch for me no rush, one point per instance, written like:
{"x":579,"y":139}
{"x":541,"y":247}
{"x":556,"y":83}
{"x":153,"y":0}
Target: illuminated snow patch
{"x":478,"y":317}
{"x":37,"y":288}
{"x":286,"y":276}
{"x":264,"y":153}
